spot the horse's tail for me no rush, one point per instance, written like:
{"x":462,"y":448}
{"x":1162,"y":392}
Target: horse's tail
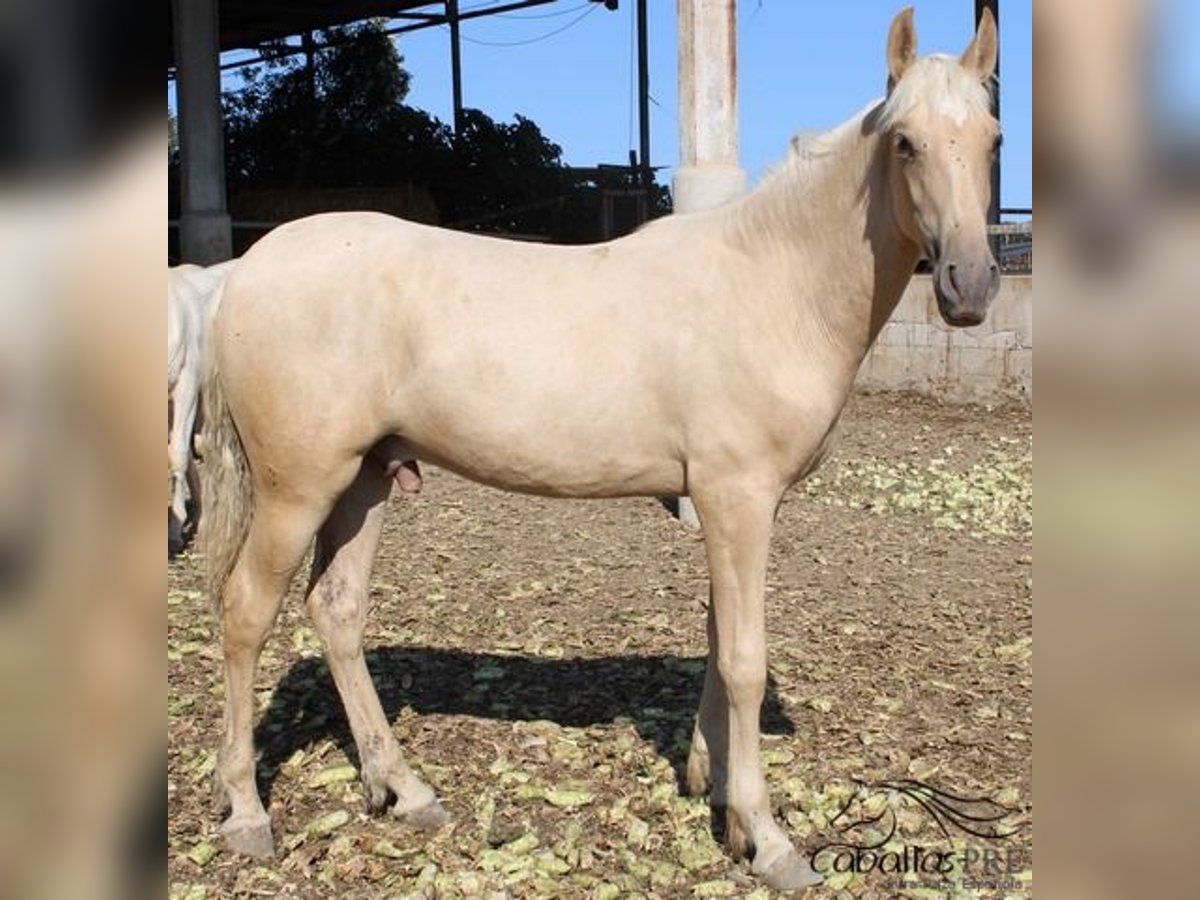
{"x":226,"y":491}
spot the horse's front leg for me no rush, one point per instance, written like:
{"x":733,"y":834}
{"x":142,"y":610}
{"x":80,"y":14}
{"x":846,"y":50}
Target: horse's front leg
{"x":737,"y":517}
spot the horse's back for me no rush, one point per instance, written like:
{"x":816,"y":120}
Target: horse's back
{"x":536,"y":367}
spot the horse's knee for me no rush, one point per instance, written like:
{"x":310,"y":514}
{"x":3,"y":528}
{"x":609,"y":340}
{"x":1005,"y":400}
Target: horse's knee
{"x":336,"y":601}
{"x":246,"y":615}
{"x":744,"y":676}
{"x":337,"y":605}
{"x":244,"y":627}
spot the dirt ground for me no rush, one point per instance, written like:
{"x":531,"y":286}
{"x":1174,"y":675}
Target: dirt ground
{"x":541,"y":662}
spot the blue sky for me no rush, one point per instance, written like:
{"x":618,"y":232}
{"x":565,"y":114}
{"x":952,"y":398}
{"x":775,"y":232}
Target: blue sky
{"x":803,"y":65}
{"x":1177,"y":67}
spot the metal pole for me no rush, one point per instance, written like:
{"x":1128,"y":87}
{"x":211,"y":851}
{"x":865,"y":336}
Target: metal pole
{"x":205,"y":235}
{"x":455,"y":64}
{"x":994,"y":6}
{"x":646,"y":173}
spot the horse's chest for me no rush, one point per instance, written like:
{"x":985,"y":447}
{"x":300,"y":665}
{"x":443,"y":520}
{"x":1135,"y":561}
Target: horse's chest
{"x":824,"y":446}
{"x":810,"y":442}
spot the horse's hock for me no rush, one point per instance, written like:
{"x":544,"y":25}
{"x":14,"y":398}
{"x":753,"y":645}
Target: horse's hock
{"x":990,"y":363}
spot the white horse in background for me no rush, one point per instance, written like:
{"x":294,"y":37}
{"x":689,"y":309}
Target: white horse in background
{"x":193,"y":296}
{"x":707,"y":354}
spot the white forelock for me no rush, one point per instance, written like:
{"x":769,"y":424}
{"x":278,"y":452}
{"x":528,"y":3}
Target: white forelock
{"x":942,"y":83}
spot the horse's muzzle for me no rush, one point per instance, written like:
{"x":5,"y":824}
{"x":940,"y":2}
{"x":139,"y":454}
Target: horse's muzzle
{"x":964,"y":290}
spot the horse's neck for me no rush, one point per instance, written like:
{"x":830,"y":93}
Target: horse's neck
{"x":824,"y":229}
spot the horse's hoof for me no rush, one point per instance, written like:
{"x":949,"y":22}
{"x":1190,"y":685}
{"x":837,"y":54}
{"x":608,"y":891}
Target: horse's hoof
{"x":429,"y":817}
{"x":791,"y":872}
{"x":698,"y":781}
{"x":249,"y":839}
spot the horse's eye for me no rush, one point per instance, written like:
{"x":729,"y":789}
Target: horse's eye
{"x":904,"y":146}
{"x":997,"y":143}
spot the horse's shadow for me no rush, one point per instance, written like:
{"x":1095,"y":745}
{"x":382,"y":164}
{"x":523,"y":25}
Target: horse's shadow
{"x":658,"y":695}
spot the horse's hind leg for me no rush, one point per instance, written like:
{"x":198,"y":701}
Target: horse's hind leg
{"x":179,"y":443}
{"x":337,"y":601}
{"x":275,"y":545}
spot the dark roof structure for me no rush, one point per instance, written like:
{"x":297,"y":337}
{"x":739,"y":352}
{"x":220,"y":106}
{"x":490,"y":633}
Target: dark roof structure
{"x":246,"y":24}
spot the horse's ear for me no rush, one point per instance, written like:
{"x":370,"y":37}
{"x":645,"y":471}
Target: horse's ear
{"x":902,"y":46}
{"x":980,"y":57}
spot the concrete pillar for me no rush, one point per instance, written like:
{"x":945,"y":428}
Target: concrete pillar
{"x":205,"y":231}
{"x":708,"y":173}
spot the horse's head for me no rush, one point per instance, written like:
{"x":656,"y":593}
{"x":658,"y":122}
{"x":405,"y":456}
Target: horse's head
{"x":941,"y":139}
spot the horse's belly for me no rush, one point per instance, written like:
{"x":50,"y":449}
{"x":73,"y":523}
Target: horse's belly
{"x":550,"y":462}
{"x":567,"y":477}
{"x":552,"y":424}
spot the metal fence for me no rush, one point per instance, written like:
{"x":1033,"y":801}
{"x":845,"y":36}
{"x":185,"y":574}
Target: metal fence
{"x":1012,"y":242}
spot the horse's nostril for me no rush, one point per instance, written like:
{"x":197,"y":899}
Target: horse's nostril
{"x":951,"y":272}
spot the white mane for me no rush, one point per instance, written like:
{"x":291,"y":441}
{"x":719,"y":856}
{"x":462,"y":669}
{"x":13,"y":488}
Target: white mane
{"x":808,"y":146}
{"x":937,"y":78}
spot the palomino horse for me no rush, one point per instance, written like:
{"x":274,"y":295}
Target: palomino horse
{"x":707,"y":354}
{"x":193,"y":294}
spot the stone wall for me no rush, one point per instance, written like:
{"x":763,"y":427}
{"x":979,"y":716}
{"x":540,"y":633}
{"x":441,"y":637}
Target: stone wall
{"x":917,"y":351}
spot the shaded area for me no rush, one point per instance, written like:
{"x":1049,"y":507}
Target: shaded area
{"x":659,"y":695}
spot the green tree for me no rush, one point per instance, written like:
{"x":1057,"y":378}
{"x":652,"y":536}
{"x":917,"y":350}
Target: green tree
{"x":296,"y":125}
{"x":338,"y":120}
